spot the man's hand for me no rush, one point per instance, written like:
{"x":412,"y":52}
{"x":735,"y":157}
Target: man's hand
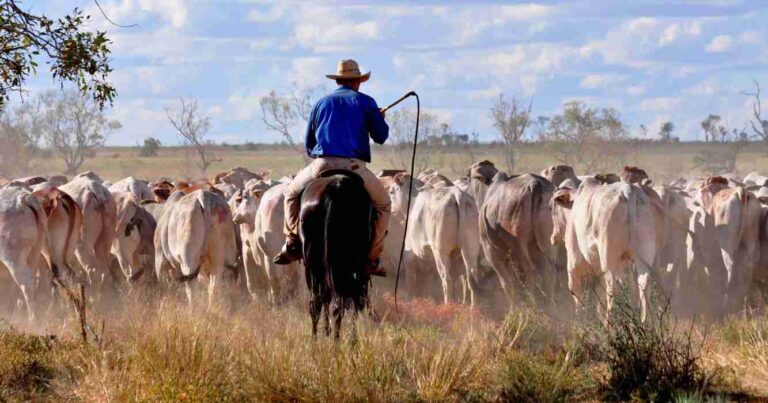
{"x":383,"y":113}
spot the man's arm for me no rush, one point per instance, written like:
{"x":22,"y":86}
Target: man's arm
{"x":310,"y":140}
{"x":377,"y":126}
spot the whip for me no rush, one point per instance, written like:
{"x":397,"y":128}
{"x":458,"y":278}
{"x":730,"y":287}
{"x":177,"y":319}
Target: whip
{"x":410,"y":182}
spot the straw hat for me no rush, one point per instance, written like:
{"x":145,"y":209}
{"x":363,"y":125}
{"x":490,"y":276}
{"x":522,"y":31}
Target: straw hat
{"x":347,"y":69}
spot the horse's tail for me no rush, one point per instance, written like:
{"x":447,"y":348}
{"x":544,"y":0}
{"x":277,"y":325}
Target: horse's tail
{"x":347,"y":234}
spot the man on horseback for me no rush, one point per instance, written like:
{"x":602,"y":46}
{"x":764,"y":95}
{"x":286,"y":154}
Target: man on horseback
{"x":337,"y":138}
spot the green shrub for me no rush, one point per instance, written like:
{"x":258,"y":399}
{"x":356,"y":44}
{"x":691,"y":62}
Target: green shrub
{"x":651,"y":361}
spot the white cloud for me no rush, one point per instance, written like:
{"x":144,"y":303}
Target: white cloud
{"x":633,"y":43}
{"x":471,"y":23}
{"x":127,"y":12}
{"x":719,"y":44}
{"x":593,"y":81}
{"x":272,"y":14}
{"x":327,"y":29}
{"x":636,"y":90}
{"x":670,"y":35}
{"x":750,"y":37}
{"x":309,"y":71}
{"x":707,"y":87}
{"x":659,"y":104}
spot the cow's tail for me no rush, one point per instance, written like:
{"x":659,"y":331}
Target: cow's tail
{"x":41,"y":221}
{"x":75,"y":223}
{"x":205,"y":205}
{"x":468,"y":218}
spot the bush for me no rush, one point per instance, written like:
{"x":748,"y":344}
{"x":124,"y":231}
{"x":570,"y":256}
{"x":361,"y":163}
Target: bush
{"x":650,"y":361}
{"x":150,"y":148}
{"x":29,"y":364}
{"x":536,"y":378}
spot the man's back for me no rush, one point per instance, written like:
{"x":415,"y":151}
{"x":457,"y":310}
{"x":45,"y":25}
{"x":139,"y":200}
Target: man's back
{"x":341,"y":123}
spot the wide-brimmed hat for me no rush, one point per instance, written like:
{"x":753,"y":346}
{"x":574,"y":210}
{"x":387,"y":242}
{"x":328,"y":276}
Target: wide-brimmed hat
{"x":348,"y":69}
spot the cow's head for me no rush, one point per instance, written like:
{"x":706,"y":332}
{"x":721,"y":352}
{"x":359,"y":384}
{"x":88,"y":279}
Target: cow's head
{"x":483,"y":171}
{"x":398,"y":192}
{"x":709,"y":189}
{"x":247,"y":204}
{"x":607,"y":179}
{"x":634,"y":175}
{"x":562,"y":202}
{"x":557,"y":174}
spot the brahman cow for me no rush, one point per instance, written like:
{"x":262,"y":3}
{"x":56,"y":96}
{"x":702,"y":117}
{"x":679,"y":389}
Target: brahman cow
{"x":672,"y":261}
{"x":134,"y":186}
{"x":516,"y":226}
{"x":263,"y":239}
{"x":195,"y":237}
{"x":98,"y":228}
{"x":723,"y":243}
{"x":607,"y":229}
{"x":23,"y":231}
{"x":134,"y":236}
{"x":443,"y":229}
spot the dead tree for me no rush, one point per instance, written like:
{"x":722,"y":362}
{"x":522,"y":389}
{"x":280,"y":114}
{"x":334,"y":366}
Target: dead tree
{"x":193,"y":128}
{"x":759,"y":125}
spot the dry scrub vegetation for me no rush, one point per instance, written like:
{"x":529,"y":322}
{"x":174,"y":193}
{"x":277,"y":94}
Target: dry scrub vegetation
{"x":163,"y":351}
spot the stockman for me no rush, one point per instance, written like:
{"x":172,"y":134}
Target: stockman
{"x":337,"y":138}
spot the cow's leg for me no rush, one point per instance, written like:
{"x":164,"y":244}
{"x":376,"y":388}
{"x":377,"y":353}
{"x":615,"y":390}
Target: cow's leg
{"x":443,"y":264}
{"x":470,"y":259}
{"x":188,"y":292}
{"x":578,"y":274}
{"x":411,"y":267}
{"x":23,"y":276}
{"x":498,"y":260}
{"x":527,"y":280}
{"x":112,"y":276}
{"x":642,"y":286}
{"x":212,"y":288}
{"x":250,"y":266}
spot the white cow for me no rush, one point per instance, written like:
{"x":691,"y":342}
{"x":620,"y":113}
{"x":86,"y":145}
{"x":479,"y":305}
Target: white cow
{"x":609,"y":228}
{"x":195,"y":237}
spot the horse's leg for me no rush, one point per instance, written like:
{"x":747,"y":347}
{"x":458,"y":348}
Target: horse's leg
{"x":338,"y":314}
{"x":315,"y":309}
{"x":327,"y":308}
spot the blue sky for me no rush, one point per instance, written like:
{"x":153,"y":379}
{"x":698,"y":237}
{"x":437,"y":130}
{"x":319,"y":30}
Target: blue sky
{"x":652,"y":60}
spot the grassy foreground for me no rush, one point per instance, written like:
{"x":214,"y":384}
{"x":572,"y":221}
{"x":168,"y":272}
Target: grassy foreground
{"x":163,"y":351}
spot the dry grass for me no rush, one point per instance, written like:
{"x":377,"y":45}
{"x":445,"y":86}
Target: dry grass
{"x":164,"y":351}
{"x":662,"y":161}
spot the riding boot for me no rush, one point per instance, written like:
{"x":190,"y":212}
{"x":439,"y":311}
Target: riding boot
{"x":373,"y":268}
{"x":291,"y":251}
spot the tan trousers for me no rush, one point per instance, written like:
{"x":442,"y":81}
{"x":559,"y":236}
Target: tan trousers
{"x":379,"y":197}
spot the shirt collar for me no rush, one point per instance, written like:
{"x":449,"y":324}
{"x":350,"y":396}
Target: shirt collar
{"x":344,"y":87}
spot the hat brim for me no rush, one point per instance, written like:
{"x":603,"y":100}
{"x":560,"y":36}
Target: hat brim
{"x":362,"y":77}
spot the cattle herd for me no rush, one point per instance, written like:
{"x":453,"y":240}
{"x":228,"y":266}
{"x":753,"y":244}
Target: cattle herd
{"x":554,"y":238}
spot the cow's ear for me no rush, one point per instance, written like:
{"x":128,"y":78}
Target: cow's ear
{"x":400,"y":178}
{"x":563,"y":197}
{"x":264,"y":173}
{"x":257,"y":193}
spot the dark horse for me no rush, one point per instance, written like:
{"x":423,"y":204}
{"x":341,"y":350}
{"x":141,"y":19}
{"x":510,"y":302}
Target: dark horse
{"x":335,"y":228}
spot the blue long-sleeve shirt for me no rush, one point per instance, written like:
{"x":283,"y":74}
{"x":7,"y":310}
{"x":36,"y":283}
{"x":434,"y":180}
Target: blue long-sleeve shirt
{"x":341,"y":123}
